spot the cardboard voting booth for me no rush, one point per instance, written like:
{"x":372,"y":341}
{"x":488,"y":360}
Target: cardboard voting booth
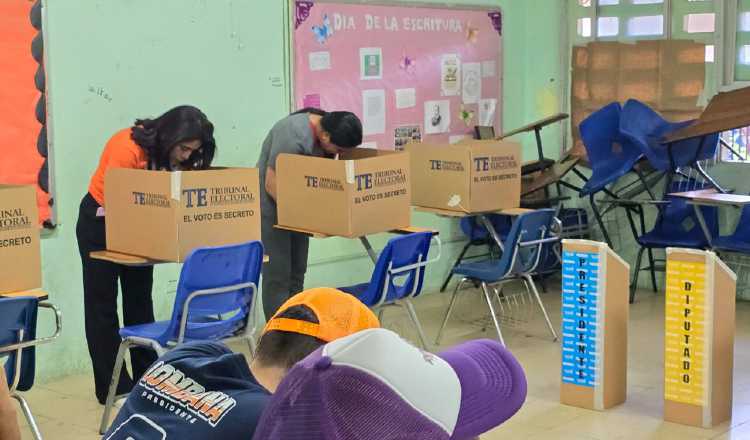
{"x":164,"y":215}
{"x":472,"y":176}
{"x":20,"y":260}
{"x":594,"y":325}
{"x":365,"y":192}
{"x":699,"y":338}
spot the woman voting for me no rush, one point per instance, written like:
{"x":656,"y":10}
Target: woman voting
{"x":311,"y":132}
{"x":180,"y":139}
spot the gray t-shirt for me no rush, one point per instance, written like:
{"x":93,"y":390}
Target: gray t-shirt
{"x":290,"y":135}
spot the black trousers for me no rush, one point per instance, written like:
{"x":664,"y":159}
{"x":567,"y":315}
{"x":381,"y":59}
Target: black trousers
{"x":100,"y":303}
{"x":284,"y":274}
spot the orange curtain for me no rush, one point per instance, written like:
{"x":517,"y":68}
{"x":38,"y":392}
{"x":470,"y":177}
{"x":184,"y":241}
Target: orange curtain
{"x":20,"y":161}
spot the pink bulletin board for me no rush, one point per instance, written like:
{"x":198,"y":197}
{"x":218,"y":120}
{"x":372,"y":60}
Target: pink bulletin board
{"x":398,"y":67}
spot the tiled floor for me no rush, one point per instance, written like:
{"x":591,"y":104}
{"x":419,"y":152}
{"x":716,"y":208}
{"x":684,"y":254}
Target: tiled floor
{"x":66,"y":409}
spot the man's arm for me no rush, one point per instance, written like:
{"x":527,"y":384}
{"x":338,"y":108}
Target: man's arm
{"x":270,"y":185}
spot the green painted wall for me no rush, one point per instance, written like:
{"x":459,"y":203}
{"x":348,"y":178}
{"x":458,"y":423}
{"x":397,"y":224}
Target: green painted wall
{"x":113,"y":61}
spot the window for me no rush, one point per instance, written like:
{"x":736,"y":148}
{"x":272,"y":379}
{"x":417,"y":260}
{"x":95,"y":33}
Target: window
{"x":742,"y":65}
{"x":608,"y":26}
{"x":646,"y":25}
{"x":737,"y":140}
{"x":699,"y":23}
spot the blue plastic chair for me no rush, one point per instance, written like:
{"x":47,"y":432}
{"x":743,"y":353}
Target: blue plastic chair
{"x":677,"y":225}
{"x":215,"y":300}
{"x":398,"y":276}
{"x":478,"y":235}
{"x":739,"y":240}
{"x":610,"y":154}
{"x":646,"y":129}
{"x":18,"y":319}
{"x":523,"y":250}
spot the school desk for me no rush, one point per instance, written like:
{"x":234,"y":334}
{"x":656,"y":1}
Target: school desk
{"x":363,"y":239}
{"x":726,"y":111}
{"x":483,"y":219}
{"x":40,"y":295}
{"x":711,"y":198}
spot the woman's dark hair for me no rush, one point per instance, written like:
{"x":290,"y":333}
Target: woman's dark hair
{"x":345,"y":128}
{"x":181,"y":124}
{"x":283,"y":349}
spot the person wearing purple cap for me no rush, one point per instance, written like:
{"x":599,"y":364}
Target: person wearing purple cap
{"x":375,"y":385}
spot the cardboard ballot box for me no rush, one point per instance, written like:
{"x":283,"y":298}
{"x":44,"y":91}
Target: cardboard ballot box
{"x":164,"y":215}
{"x":365,"y":192}
{"x":20,"y":260}
{"x":472,"y":176}
{"x":698,"y":338}
{"x":594,"y":325}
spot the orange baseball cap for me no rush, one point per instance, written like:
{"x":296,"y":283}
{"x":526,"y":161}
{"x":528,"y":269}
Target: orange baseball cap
{"x":339,"y":314}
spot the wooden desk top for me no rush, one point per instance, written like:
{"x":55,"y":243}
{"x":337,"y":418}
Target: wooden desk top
{"x":538,"y":124}
{"x":715,"y":198}
{"x":693,"y":194}
{"x":124,"y":259}
{"x":132,"y":260}
{"x":726,"y":111}
{"x":460,"y":214}
{"x":41,"y":295}
{"x":313,"y":234}
{"x":550,"y":175}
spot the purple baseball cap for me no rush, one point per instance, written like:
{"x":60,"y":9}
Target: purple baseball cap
{"x":374,"y":385}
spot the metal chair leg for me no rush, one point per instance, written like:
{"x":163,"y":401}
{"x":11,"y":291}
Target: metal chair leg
{"x":542,"y":283}
{"x":486,"y":292}
{"x":599,"y":221}
{"x":652,"y":266}
{"x":456,"y":263}
{"x":415,"y":320}
{"x":541,"y":306}
{"x":29,"y":416}
{"x":697,"y":167}
{"x":450,"y":309}
{"x":112,"y":394}
{"x":634,"y":282}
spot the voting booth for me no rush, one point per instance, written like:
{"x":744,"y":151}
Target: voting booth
{"x":20,"y":259}
{"x":699,"y":338}
{"x":594,"y":325}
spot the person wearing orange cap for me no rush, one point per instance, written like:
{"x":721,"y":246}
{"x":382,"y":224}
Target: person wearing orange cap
{"x":203,"y":389}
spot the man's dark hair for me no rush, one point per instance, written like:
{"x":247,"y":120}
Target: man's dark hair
{"x":345,"y":128}
{"x":283,"y":349}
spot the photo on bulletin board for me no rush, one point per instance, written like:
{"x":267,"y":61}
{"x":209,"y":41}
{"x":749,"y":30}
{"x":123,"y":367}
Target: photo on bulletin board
{"x":410,"y":73}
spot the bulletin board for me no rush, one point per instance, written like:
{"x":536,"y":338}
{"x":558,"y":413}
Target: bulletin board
{"x":23,"y":139}
{"x":411,"y":73}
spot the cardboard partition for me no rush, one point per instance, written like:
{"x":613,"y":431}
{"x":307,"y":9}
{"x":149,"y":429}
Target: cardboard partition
{"x":594,"y":326}
{"x":472,"y":176}
{"x":164,"y":215}
{"x":699,"y":338}
{"x":365,"y":192}
{"x":20,"y":259}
